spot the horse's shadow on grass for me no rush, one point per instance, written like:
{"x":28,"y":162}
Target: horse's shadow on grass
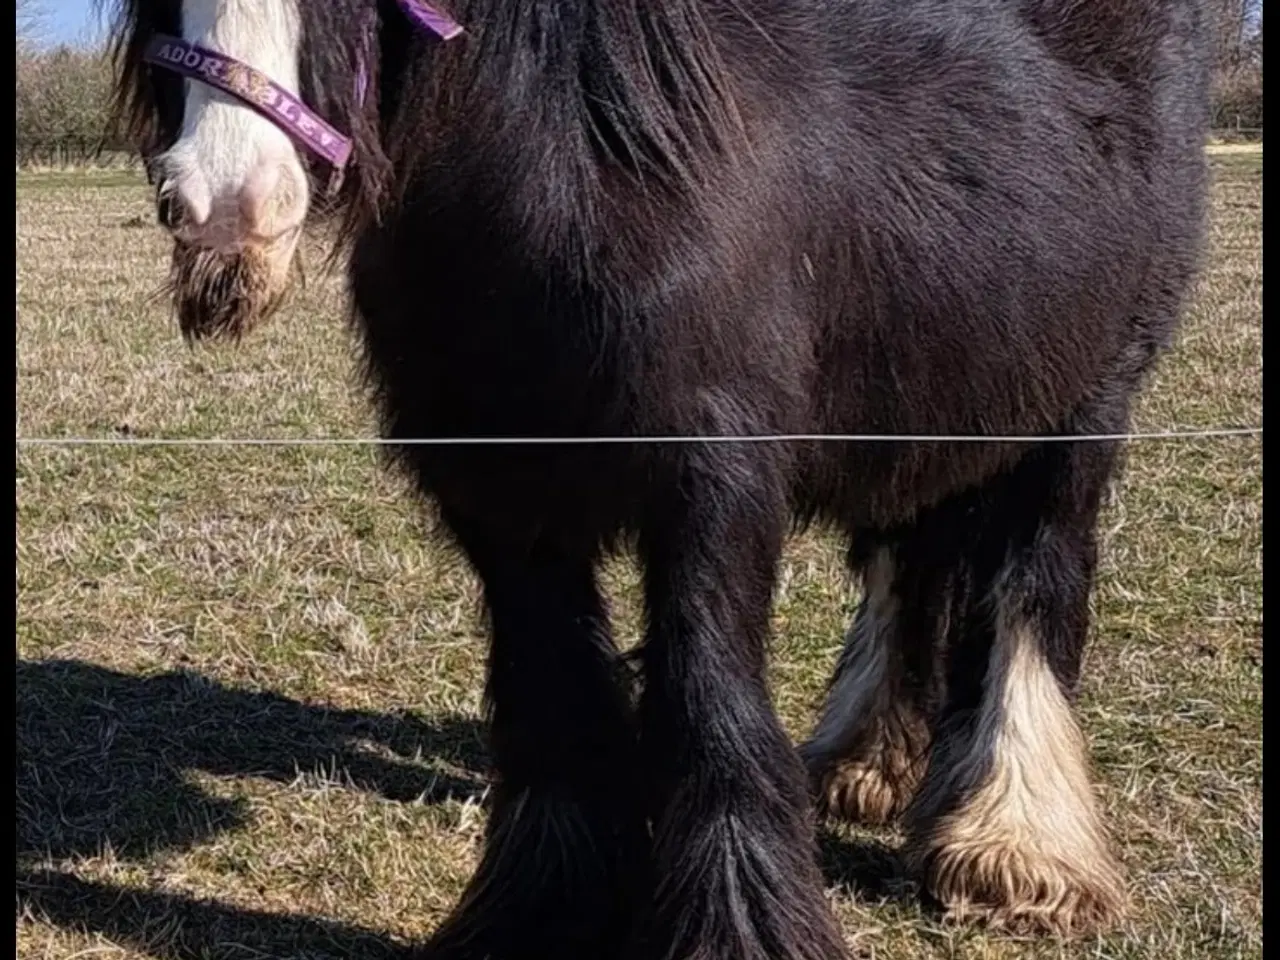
{"x":174,"y":927}
{"x":868,"y":870}
{"x":102,"y":762}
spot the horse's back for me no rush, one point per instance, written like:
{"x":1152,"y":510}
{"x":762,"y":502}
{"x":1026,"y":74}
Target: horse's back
{"x":1019,"y":217}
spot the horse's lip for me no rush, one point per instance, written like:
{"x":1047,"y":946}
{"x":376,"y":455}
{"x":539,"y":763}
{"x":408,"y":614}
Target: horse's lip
{"x":217,"y":242}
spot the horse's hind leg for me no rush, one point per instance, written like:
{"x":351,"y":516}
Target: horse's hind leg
{"x":565,"y":848}
{"x":1005,"y":826}
{"x":871,"y":744}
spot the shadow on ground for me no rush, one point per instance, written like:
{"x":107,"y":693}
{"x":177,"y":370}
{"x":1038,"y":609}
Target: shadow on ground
{"x":102,"y":755}
{"x":102,"y":762}
{"x":174,"y":927}
{"x":868,"y":870}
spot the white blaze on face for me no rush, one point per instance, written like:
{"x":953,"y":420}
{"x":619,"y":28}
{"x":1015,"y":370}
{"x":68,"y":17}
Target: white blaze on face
{"x":236,"y":177}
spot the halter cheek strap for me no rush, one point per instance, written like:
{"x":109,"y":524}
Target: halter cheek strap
{"x":259,"y":92}
{"x":430,"y":18}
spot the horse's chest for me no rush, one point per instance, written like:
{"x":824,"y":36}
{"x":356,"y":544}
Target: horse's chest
{"x":472,"y":371}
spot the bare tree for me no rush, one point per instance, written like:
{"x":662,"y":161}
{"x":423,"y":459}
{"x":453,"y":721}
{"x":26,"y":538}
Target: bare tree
{"x":1237,"y":32}
{"x":30,"y":22}
{"x":1255,"y":43}
{"x":1229,"y":24}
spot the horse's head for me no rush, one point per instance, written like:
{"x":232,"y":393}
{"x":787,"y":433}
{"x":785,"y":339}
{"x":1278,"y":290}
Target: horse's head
{"x":250,"y":114}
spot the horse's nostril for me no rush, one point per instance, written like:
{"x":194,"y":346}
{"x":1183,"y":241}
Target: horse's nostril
{"x":168,"y":211}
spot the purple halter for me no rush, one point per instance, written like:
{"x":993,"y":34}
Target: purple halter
{"x":256,"y":90}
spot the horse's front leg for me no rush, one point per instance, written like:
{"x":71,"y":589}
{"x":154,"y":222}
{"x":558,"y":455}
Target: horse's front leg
{"x":566,"y":842}
{"x":736,"y":872}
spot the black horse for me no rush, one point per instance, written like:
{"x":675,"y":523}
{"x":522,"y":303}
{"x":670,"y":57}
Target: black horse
{"x":740,"y":219}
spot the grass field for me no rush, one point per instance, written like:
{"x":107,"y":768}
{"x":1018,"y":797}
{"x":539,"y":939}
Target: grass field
{"x":248,"y":680}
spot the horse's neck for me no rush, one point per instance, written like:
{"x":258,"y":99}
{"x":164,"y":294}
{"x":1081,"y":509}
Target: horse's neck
{"x":642,"y":80}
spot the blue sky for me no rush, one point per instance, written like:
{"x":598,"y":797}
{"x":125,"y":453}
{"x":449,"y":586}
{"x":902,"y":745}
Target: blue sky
{"x":66,"y":21}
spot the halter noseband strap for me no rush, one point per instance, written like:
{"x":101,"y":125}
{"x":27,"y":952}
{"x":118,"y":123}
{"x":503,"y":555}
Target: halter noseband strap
{"x":253,"y":88}
{"x":256,"y":90}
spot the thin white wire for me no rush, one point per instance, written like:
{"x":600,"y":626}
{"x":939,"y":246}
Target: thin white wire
{"x":582,"y":441}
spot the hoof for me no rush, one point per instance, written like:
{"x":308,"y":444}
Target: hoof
{"x":1016,"y":887}
{"x":875,"y":783}
{"x":861,"y":792}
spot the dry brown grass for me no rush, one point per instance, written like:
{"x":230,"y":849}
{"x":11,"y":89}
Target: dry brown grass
{"x":248,"y":681}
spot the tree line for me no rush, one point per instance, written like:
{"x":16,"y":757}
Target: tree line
{"x":63,"y":92}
